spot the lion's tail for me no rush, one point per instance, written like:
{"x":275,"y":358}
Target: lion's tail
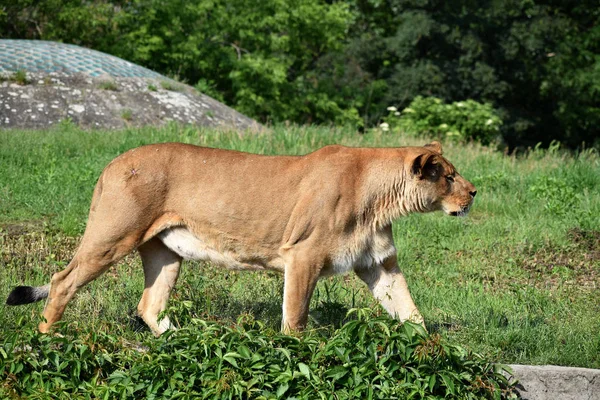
{"x":27,"y":294}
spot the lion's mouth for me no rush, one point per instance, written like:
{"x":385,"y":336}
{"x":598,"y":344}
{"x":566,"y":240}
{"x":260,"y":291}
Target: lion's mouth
{"x":461,"y":213}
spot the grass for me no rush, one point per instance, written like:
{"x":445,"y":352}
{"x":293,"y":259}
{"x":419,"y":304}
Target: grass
{"x":516,"y":281}
{"x":19,"y":77}
{"x":108,"y":85}
{"x":127,"y":114}
{"x":172,"y":85}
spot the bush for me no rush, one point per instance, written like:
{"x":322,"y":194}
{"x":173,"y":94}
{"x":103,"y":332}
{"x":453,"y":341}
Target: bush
{"x":462,"y":121}
{"x":370,"y":357}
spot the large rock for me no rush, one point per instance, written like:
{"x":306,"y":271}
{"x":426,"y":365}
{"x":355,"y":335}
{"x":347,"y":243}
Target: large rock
{"x":549,"y":382}
{"x":96,"y":90}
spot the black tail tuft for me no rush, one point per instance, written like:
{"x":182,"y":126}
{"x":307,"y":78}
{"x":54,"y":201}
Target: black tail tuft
{"x":26,"y":295}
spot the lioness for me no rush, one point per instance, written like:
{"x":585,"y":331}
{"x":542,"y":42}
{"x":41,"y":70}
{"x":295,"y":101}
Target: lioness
{"x":324,"y":213}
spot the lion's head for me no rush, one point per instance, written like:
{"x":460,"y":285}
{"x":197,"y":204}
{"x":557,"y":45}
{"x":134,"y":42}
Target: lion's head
{"x":440,"y":186}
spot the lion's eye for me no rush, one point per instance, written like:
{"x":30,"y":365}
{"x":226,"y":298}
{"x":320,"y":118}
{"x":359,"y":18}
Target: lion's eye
{"x":449,"y":178}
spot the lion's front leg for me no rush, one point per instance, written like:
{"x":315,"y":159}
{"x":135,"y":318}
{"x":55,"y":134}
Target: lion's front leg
{"x":389,"y":286}
{"x":300,"y":279}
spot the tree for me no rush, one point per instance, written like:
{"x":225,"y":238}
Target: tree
{"x":536,"y":61}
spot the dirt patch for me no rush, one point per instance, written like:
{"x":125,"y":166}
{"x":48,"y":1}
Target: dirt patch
{"x":587,"y":240}
{"x":29,"y":248}
{"x":21,"y":228}
{"x":576,"y":265}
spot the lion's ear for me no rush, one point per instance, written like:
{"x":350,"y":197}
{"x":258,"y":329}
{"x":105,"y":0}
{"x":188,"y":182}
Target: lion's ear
{"x":435,"y":146}
{"x":425,"y":165}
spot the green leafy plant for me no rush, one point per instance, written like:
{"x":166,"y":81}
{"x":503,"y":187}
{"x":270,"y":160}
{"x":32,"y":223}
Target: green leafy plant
{"x":463,"y":120}
{"x":369,"y":357}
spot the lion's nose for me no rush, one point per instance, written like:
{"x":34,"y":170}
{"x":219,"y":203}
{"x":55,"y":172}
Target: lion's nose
{"x":473,"y":193}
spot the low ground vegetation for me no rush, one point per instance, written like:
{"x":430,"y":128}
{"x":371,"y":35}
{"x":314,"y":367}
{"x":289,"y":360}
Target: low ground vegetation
{"x":368,"y":358}
{"x":515,"y":282}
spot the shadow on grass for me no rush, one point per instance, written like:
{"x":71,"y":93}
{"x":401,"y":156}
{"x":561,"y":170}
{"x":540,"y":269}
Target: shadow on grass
{"x":329,"y":315}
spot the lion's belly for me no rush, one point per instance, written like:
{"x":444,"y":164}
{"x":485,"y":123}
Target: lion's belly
{"x":190,"y":247}
{"x":361,"y":252}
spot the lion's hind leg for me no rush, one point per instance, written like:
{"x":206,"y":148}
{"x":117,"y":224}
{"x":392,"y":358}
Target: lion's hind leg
{"x":91,"y":260}
{"x":161,"y":269}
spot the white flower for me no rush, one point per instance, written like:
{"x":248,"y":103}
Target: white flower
{"x":384,"y":126}
{"x":397,"y":113}
{"x":392,"y":108}
{"x":408,"y":110}
{"x":460,"y":104}
{"x":489,"y":122}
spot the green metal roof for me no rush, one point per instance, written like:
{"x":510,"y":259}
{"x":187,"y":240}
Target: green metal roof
{"x":45,"y":57}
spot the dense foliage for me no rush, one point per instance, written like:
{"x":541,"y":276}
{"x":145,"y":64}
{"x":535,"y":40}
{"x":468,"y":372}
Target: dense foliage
{"x":368,"y":358}
{"x":537,"y":61}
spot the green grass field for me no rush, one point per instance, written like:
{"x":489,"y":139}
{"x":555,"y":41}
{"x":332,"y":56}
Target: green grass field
{"x":517,"y":281}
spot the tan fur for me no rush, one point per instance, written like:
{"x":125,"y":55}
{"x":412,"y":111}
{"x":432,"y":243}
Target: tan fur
{"x":308,"y":216}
